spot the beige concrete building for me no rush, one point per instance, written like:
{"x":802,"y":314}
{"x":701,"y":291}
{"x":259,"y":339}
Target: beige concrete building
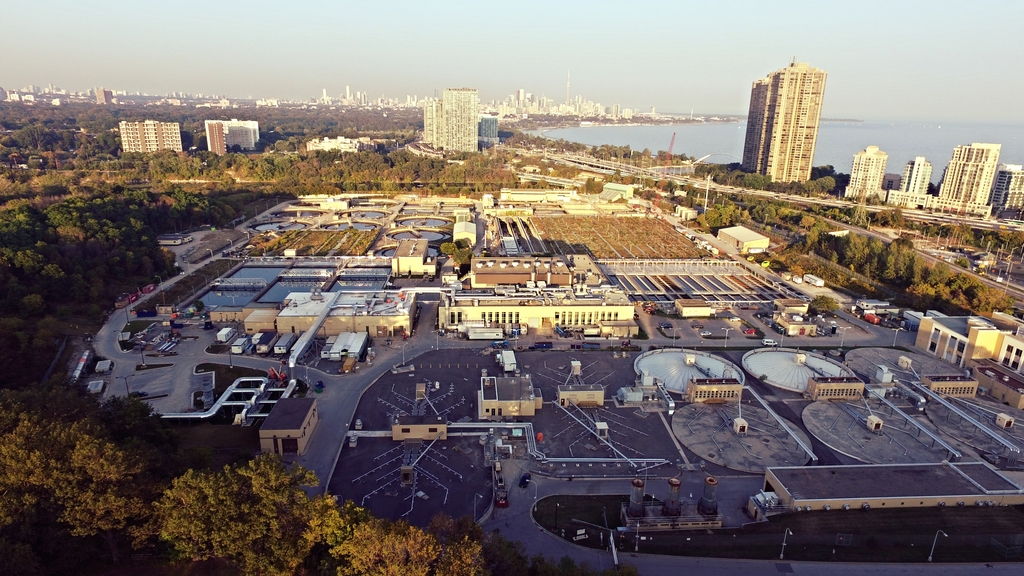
{"x":969,"y":175}
{"x":150,"y":136}
{"x":795,"y":324}
{"x":411,"y":259}
{"x":867,"y":173}
{"x":693,"y":308}
{"x":782,"y":124}
{"x":289,"y":427}
{"x":790,"y":306}
{"x":524,"y":271}
{"x":534,"y":311}
{"x":427,"y":428}
{"x":585,"y":395}
{"x":713,"y":390}
{"x":744,"y":239}
{"x":959,"y":339}
{"x":835,"y":388}
{"x":510,"y":397}
{"x":1003,"y":385}
{"x":956,"y":385}
{"x":880,"y":487}
{"x":381,"y":314}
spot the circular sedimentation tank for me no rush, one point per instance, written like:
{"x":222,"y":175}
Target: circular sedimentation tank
{"x":789,"y":368}
{"x":676,"y":367}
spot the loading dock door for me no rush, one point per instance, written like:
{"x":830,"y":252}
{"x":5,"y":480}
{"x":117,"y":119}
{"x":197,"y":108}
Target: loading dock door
{"x":290,"y":445}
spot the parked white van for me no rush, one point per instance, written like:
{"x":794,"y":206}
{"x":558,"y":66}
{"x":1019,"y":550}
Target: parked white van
{"x":769,"y":342}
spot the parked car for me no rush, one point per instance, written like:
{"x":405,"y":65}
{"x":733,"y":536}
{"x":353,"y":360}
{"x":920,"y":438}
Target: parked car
{"x":665,"y":325}
{"x":705,"y":333}
{"x":696,"y":326}
{"x":750,"y":331}
{"x":524,"y":480}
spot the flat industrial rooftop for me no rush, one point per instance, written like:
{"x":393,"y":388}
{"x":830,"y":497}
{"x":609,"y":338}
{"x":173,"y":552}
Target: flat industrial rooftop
{"x":892,"y":481}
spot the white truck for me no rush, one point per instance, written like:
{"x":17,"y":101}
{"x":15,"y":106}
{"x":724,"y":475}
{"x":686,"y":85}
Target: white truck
{"x":224,"y":335}
{"x":813,"y":280}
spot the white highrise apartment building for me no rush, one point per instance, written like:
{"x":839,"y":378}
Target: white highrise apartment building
{"x":916,"y":176}
{"x":460,"y":110}
{"x":222,"y":135}
{"x":1008,"y":187}
{"x":433,"y":123}
{"x":969,"y":174}
{"x":867,"y":173}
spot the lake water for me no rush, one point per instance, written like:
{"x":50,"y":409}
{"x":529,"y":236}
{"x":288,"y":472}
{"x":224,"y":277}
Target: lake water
{"x":837,"y":141}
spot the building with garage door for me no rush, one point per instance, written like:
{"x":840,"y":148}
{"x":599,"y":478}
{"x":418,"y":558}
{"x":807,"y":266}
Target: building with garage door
{"x":289,"y":427}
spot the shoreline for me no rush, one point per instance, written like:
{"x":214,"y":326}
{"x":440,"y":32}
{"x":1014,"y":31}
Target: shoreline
{"x":543,"y":131}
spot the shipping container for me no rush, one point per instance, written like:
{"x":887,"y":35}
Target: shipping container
{"x":149,"y":288}
{"x":284,"y":343}
{"x":349,"y":365}
{"x":507,"y":359}
{"x":543,"y":346}
{"x":871,"y":318}
{"x":239,"y":345}
{"x":225,"y":335}
{"x":325,"y":354}
{"x":266,"y":344}
{"x":145,"y":313}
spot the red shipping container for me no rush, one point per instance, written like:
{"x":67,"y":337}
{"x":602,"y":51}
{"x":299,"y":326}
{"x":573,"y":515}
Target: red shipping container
{"x":869,"y":317}
{"x":149,"y":288}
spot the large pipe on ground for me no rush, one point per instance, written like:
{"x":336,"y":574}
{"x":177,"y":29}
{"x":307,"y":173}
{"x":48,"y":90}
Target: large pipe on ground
{"x":636,"y":499}
{"x":708,"y":504}
{"x":672,"y":506}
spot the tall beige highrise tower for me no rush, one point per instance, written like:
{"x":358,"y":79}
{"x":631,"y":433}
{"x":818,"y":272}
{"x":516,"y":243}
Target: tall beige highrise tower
{"x":460,"y":109}
{"x":916,"y":176}
{"x":150,"y":136}
{"x":782,"y":124}
{"x":867,"y":173}
{"x":969,"y":174}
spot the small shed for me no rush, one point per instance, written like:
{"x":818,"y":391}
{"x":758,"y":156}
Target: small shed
{"x":289,"y":427}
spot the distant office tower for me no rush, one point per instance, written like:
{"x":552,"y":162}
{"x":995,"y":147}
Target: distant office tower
{"x":150,"y":136}
{"x":104,"y":97}
{"x":221,"y":135}
{"x":1008,"y":186}
{"x":969,"y":174}
{"x":459,"y":108}
{"x":433,"y":123}
{"x":867,"y":173}
{"x":487,"y":130}
{"x":916,"y":176}
{"x":782,"y":124}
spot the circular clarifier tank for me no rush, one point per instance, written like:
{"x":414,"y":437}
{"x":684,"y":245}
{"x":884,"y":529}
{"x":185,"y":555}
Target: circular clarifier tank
{"x":790,"y":369}
{"x":676,"y":367}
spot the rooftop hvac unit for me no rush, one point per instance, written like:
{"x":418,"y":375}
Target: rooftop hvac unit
{"x":1004,"y":420}
{"x":874,"y":423}
{"x":690,"y":359}
{"x":800,"y":359}
{"x":577,"y":367}
{"x":904,"y":363}
{"x":883,"y":375}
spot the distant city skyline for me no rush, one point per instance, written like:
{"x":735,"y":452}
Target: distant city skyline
{"x":886,"y":60}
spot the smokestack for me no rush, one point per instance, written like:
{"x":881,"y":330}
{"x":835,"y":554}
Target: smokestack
{"x":672,"y":506}
{"x":636,"y":499}
{"x":708,"y":504}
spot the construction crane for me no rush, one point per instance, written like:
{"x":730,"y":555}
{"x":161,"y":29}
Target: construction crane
{"x":670,"y":146}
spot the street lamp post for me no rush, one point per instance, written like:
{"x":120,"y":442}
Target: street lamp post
{"x":478,"y":497}
{"x":896,"y":333}
{"x":934,"y":542}
{"x":843,"y":338}
{"x":557,"y":506}
{"x":788,"y":532}
{"x":126,"y":390}
{"x":210,"y":250}
{"x":726,"y":344}
{"x":403,"y":354}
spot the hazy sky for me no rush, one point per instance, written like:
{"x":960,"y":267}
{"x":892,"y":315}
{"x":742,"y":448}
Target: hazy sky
{"x":892,"y":60}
